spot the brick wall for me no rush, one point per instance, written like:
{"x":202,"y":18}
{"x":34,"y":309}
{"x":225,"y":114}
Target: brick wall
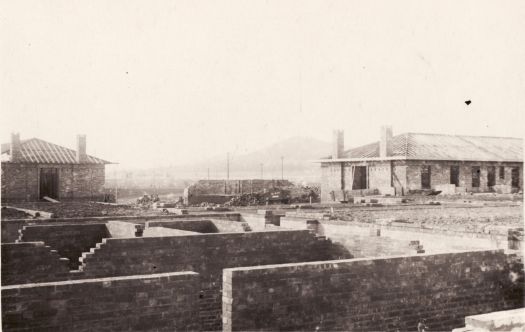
{"x":380,"y":175}
{"x":81,"y":181}
{"x":206,"y":190}
{"x":440,"y":173}
{"x":406,"y":175}
{"x":331,"y":181}
{"x":158,"y":302}
{"x":28,"y":262}
{"x":361,"y":238}
{"x":207,"y":254}
{"x":21,"y":181}
{"x":70,"y":241}
{"x":369,"y":294}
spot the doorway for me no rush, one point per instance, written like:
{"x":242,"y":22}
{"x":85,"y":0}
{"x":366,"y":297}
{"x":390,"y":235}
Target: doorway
{"x":425,"y":177}
{"x":49,"y":182}
{"x":491,"y":176}
{"x":454,"y":175}
{"x":359,"y":178}
{"x":515,"y":177}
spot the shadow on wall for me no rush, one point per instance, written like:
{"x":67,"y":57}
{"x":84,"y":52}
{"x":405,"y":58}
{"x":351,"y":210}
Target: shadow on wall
{"x":199,"y":226}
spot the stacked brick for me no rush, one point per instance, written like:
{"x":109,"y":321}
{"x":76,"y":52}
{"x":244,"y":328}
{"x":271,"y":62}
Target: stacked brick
{"x":370,"y":294}
{"x":159,"y":302}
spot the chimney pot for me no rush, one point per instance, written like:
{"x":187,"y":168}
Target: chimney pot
{"x":338,"y":144}
{"x":385,"y":144}
{"x":15,"y":150}
{"x":81,"y":149}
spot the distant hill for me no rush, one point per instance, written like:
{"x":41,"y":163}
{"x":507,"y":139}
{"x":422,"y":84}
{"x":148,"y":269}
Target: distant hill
{"x":298,"y":153}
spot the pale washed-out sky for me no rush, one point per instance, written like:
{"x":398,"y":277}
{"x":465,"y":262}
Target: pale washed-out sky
{"x":162,"y":82}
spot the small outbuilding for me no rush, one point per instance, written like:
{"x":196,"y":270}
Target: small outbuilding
{"x":414,"y":162}
{"x":34,"y":168}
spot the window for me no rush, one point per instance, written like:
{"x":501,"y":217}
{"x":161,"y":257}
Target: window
{"x":425,"y":177}
{"x":502,"y":172}
{"x":454,"y":175}
{"x":475,"y":176}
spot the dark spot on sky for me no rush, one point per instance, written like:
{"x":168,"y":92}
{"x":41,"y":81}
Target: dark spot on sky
{"x":467,"y":102}
{"x":126,"y":72}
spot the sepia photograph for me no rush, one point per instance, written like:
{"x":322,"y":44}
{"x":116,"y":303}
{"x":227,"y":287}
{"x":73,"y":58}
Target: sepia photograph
{"x":263,"y":165}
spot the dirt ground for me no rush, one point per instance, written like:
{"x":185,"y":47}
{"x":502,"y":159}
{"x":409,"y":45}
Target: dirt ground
{"x":13,"y":214}
{"x":473,"y":213}
{"x":78,"y":209}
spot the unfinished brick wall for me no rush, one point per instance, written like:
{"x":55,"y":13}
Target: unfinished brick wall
{"x":369,"y":294}
{"x":207,"y":254}
{"x":440,"y":173}
{"x":70,"y":240}
{"x":20,"y":182}
{"x":405,"y":175}
{"x":29,"y":262}
{"x":158,"y":302}
{"x":219,"y":191}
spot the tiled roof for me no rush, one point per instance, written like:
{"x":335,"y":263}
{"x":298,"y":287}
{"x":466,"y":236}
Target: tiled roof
{"x":414,"y":146}
{"x":35,"y":150}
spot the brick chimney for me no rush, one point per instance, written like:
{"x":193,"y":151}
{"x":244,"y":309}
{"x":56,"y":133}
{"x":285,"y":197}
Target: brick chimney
{"x":81,"y":149}
{"x":338,"y":144}
{"x":385,"y":144}
{"x":15,"y":148}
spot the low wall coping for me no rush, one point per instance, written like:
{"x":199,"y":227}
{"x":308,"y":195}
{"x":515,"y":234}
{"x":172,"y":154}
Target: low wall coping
{"x":108,"y":279}
{"x":334,"y":263}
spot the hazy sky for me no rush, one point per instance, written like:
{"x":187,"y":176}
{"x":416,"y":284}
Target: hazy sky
{"x":162,"y":82}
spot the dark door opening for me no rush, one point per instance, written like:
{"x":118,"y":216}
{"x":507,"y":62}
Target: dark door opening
{"x":49,"y":182}
{"x":425,"y":177}
{"x":515,"y":177}
{"x":475,"y":176}
{"x":360,"y":181}
{"x":454,"y":175}
{"x":491,"y":176}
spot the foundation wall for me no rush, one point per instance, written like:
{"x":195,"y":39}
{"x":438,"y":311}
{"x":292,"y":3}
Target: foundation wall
{"x":368,"y":240}
{"x":70,"y":241}
{"x":207,"y":254}
{"x":29,"y":262}
{"x":383,"y":294}
{"x":158,"y":302}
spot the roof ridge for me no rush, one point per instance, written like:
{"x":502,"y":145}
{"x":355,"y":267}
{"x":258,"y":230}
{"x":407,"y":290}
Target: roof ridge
{"x":38,"y":150}
{"x":457,"y":135}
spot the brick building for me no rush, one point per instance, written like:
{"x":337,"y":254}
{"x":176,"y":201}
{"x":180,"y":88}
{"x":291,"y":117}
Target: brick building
{"x":33,"y":168}
{"x":411,"y":162}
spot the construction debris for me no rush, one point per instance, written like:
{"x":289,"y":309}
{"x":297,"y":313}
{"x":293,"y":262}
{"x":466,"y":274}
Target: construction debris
{"x":49,"y":199}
